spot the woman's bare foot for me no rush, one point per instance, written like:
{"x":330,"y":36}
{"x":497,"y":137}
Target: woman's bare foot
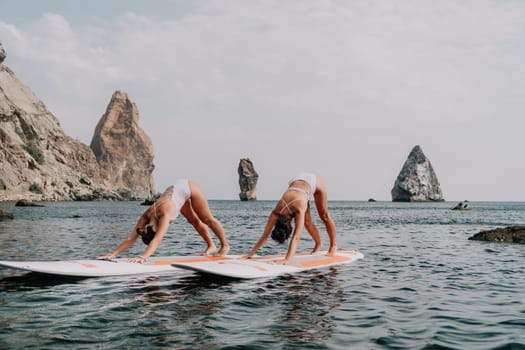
{"x":332,"y":250}
{"x":223,"y":251}
{"x":212,"y":249}
{"x":316,"y":248}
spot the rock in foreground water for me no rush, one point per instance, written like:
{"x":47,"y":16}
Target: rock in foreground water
{"x":511,"y":234}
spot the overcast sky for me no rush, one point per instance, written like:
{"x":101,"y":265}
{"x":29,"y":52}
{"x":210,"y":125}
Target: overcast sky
{"x":344,"y":89}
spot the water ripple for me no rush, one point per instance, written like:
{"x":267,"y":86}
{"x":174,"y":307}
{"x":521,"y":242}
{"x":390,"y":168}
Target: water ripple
{"x":422,"y":284}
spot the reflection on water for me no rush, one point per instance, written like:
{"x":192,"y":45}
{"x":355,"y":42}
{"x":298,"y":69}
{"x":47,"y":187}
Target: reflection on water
{"x":32,"y":280}
{"x":154,"y":291}
{"x":307,"y":304}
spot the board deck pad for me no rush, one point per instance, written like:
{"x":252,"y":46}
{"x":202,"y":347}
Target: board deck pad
{"x":266,"y":266}
{"x":114,"y":267}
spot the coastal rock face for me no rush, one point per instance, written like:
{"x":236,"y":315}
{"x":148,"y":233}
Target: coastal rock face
{"x":123,"y":150}
{"x":511,"y":234}
{"x":417,"y":181}
{"x":247,"y":180}
{"x":2,"y":53}
{"x":4,"y":214}
{"x":37,"y":160}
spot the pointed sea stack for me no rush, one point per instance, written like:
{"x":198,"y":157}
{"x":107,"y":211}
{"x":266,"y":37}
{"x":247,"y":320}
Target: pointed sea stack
{"x":247,"y":180}
{"x":417,"y":181}
{"x":123,"y":150}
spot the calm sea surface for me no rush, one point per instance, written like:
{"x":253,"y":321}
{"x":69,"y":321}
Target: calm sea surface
{"x":421,"y":285}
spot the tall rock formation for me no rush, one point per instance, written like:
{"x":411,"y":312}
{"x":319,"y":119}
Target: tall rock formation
{"x":417,"y":181}
{"x":123,"y":150}
{"x":247,"y":180}
{"x":37,"y":160}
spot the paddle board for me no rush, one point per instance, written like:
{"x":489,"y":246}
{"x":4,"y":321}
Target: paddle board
{"x":267,"y":266}
{"x":114,"y":267}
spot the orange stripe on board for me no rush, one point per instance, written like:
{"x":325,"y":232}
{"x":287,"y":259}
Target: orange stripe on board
{"x":325,"y":261}
{"x":190,"y":260}
{"x":88,"y":265}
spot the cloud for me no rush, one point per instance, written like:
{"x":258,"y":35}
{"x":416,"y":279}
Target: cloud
{"x":341,"y":88}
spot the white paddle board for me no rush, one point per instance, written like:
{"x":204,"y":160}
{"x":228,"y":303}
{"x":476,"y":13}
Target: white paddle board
{"x":114,"y":267}
{"x":268,"y":266}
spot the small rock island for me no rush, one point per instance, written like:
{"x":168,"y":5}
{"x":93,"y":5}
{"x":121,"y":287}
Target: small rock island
{"x":247,"y":180}
{"x":417,"y":181}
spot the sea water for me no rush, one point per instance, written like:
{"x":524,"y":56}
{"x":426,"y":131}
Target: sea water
{"x":421,"y":285}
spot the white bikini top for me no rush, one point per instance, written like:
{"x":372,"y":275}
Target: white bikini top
{"x":287,"y":204}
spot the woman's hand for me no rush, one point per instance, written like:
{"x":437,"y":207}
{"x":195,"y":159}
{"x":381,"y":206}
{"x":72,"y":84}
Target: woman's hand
{"x":281,"y":262}
{"x":139,"y":260}
{"x":109,"y":256}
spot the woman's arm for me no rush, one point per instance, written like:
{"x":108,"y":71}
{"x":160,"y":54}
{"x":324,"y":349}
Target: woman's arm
{"x":165,"y":213}
{"x":272,"y":219}
{"x":162,"y":227}
{"x":129,"y":241}
{"x":299,"y":225}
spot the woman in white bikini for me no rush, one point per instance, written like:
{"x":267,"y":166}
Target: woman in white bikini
{"x":295,"y":204}
{"x":183,"y":197}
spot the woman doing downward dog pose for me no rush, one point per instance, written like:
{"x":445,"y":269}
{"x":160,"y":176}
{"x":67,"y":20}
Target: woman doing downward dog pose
{"x":183,"y":197}
{"x":295,"y":204}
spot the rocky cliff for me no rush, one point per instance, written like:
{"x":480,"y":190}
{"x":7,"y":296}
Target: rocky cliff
{"x":37,"y":160}
{"x":417,"y":181}
{"x":247,"y":180}
{"x":2,"y":53}
{"x":123,"y":150}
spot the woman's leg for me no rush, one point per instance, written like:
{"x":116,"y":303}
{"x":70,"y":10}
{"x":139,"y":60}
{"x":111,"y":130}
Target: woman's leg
{"x":321,"y":203}
{"x":312,"y":230}
{"x":201,"y":208}
{"x":192,"y":217}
